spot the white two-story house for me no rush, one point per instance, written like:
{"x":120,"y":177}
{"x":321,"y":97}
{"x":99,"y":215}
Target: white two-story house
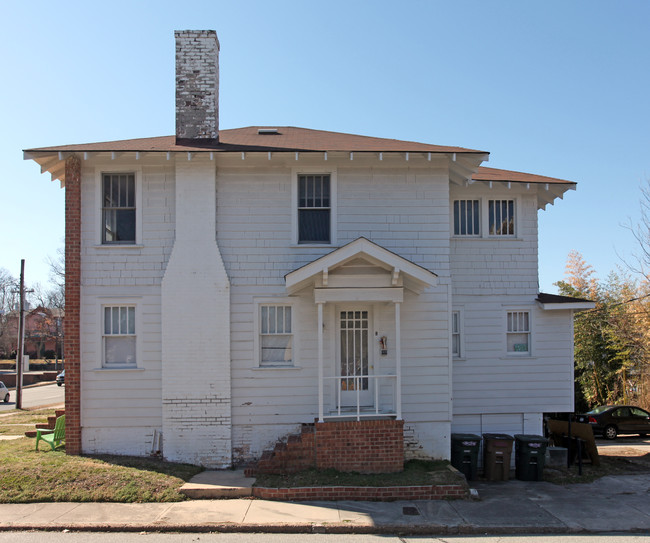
{"x":225,"y":287}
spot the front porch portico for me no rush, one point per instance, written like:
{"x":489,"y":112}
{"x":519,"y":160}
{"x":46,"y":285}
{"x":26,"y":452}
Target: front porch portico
{"x":361,"y":287}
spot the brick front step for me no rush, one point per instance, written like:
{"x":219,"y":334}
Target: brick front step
{"x":368,"y":446}
{"x":363,"y":493}
{"x":49,"y":425}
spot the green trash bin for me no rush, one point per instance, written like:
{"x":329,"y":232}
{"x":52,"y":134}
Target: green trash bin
{"x":464,"y":454}
{"x":497,"y":453}
{"x":530,"y":454}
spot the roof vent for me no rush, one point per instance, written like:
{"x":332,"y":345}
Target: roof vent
{"x":267,"y":131}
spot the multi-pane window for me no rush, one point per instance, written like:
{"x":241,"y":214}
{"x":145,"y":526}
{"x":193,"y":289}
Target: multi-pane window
{"x":276,"y":339}
{"x":455,"y":334}
{"x":118,"y":208}
{"x":314,"y":208}
{"x":466,"y":218}
{"x":518,"y":332}
{"x":502,"y":217}
{"x":119,"y":336}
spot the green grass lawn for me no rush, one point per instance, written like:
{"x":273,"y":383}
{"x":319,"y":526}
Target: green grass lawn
{"x":27,"y":475}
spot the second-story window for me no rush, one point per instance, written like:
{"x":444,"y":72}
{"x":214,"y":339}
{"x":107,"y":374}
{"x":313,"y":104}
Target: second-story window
{"x":467,"y":219}
{"x":314,"y":208}
{"x":502,"y":217}
{"x":118,"y":208}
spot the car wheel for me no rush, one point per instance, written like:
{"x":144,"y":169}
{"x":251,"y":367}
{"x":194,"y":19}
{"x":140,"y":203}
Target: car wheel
{"x":610,"y":432}
{"x":59,"y":384}
{"x":7,"y":398}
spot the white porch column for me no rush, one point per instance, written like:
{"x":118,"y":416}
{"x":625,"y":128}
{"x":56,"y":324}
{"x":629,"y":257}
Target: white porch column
{"x":320,"y":362}
{"x":398,"y":361}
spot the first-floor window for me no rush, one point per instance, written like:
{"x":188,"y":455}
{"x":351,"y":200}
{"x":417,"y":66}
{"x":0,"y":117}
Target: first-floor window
{"x":276,"y":338}
{"x":455,"y":334}
{"x":518,"y":332}
{"x":119,"y":336}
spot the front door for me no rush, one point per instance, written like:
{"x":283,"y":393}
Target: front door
{"x":355,"y":357}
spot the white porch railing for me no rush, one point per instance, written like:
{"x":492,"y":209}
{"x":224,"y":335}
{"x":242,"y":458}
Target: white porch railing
{"x":358,"y":410}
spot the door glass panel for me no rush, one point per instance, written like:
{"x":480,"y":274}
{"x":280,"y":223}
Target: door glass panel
{"x":354,"y":350}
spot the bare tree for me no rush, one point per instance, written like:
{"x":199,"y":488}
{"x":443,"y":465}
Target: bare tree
{"x":8,"y":300}
{"x":641,"y":232}
{"x":56,"y":294}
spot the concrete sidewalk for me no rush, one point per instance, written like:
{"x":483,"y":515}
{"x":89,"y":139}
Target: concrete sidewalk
{"x":611,"y":504}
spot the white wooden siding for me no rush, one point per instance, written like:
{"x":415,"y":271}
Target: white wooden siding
{"x":490,"y":276}
{"x":407,"y":211}
{"x":120,"y":409}
{"x":403,"y":211}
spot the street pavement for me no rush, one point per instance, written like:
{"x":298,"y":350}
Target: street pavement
{"x":610,"y":504}
{"x":37,"y":395}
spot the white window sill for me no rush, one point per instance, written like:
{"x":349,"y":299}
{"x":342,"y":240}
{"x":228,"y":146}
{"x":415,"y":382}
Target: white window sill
{"x":517,"y":356}
{"x":266,"y":368}
{"x":125,"y":368}
{"x":312,"y":245}
{"x":116,"y":246}
{"x":489,"y":238}
{"x":459,"y":359}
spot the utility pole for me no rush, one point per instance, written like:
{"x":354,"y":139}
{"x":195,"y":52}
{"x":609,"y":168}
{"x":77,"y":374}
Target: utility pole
{"x":21,"y":339}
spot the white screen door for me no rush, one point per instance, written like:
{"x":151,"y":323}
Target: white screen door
{"x":355,"y":357}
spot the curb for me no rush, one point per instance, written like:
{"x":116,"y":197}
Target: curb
{"x":397,"y":529}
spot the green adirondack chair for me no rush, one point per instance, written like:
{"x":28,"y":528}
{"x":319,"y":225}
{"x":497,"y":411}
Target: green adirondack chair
{"x":53,"y":437}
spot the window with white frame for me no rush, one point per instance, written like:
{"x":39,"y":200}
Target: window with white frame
{"x":276,"y":337}
{"x":467,"y":219}
{"x":314,"y":208}
{"x":119,"y":338}
{"x":518,"y":332}
{"x":501,"y":215}
{"x":118,"y":208}
{"x":456,"y":350}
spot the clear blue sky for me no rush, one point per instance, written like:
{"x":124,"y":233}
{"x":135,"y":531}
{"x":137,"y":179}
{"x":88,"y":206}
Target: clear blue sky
{"x":553,"y":87}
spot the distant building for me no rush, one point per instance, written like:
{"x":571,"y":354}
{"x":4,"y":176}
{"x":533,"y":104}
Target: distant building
{"x":43,"y":333}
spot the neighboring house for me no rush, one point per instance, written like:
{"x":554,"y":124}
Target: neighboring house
{"x":43,"y":332}
{"x":226,"y":286}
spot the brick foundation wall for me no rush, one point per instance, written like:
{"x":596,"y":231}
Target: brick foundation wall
{"x":367,"y":446}
{"x":72,"y":305}
{"x":363,"y":493}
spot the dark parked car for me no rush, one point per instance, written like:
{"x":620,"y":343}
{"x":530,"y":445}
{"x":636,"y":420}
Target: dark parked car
{"x":611,"y":420}
{"x":60,"y":379}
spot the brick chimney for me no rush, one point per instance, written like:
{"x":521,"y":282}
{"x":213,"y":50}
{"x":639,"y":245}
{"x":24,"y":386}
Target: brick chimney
{"x":197,"y":86}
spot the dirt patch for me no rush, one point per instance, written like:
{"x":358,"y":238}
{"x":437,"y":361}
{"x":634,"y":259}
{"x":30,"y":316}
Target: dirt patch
{"x":613,"y":461}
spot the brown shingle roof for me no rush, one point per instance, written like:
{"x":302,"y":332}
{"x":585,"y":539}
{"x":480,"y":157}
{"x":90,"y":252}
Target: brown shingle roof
{"x":493,"y":174}
{"x":545,"y":298}
{"x":288,"y":138}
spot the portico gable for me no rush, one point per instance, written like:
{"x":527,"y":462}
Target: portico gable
{"x":359,"y":278}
